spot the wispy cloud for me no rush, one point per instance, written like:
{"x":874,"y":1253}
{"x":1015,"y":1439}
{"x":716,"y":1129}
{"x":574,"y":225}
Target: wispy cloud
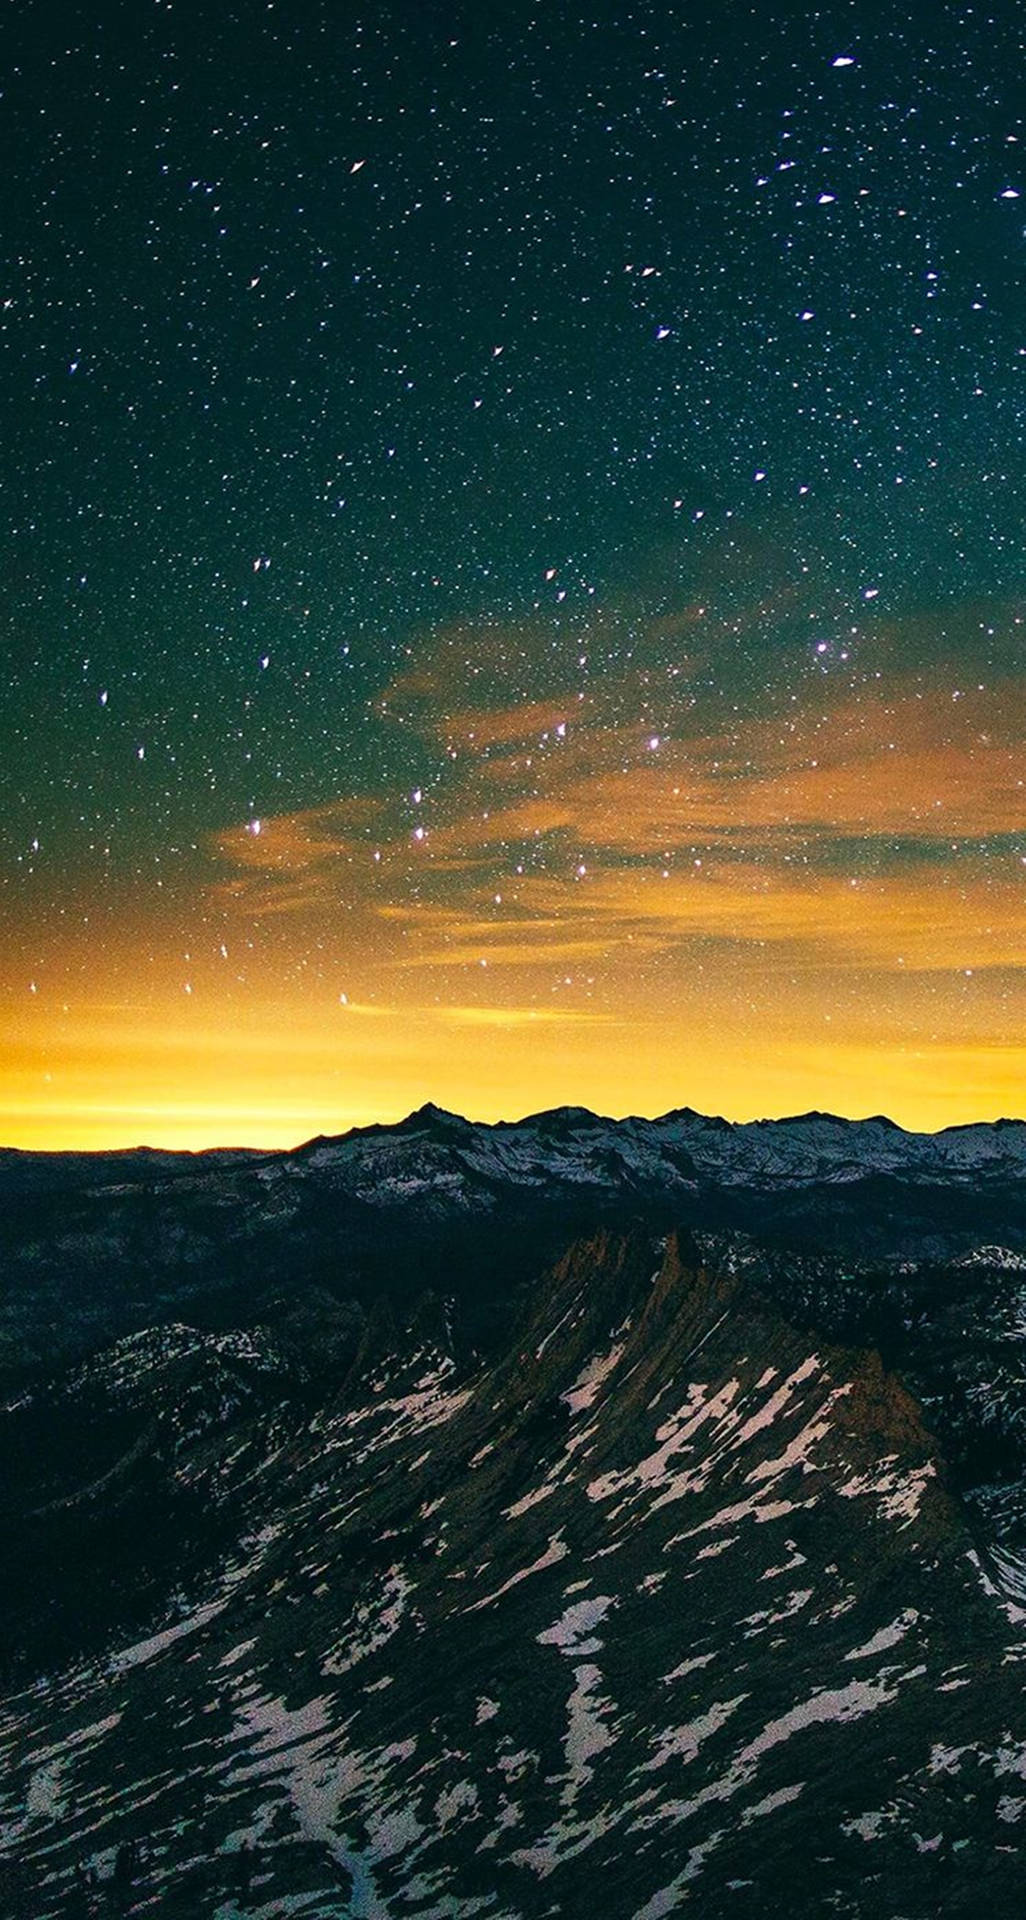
{"x":640,"y":812}
{"x":504,"y":1017}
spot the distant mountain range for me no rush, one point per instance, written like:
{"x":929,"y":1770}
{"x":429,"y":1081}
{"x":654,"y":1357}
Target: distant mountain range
{"x":544,"y":1519}
{"x":383,"y":1212}
{"x":570,"y":1143}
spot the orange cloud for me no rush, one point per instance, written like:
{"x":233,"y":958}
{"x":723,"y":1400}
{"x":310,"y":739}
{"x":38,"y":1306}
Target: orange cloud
{"x":293,"y":842}
{"x":664,"y":850}
{"x":769,"y":805}
{"x":921,"y":924}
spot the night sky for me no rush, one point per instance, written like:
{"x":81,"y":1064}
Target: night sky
{"x":511,"y":571}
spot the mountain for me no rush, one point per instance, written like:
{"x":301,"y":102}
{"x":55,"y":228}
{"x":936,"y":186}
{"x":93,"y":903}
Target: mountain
{"x":670,"y":1556}
{"x":96,"y":1246}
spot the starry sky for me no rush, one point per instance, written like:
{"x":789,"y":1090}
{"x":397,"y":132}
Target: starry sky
{"x":511,"y":575}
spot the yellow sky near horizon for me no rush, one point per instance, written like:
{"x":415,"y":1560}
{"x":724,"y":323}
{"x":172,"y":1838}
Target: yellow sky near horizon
{"x":195,"y":1092}
{"x":818,"y":905}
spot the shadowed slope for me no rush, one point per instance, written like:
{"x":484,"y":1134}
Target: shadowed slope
{"x":665,"y":1600}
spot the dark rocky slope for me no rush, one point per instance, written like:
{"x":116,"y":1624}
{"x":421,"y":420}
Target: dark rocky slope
{"x":669,"y":1600}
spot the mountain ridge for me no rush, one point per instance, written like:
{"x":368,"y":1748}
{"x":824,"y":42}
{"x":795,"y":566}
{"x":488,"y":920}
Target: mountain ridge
{"x":430,"y":1113}
{"x":94,"y":1247}
{"x":448,"y":1520}
{"x":666,"y":1594}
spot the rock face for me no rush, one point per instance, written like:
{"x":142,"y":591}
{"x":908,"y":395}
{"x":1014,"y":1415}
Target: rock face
{"x":667,"y":1597}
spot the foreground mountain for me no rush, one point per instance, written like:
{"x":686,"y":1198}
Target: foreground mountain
{"x":666,"y":1603}
{"x":670,"y":1555}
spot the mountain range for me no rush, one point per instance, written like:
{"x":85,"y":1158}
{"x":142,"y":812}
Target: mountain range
{"x":517,"y":1520}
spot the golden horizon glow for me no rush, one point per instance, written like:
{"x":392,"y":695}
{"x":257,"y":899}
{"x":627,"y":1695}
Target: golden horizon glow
{"x":218,"y":1087}
{"x":750,"y":916}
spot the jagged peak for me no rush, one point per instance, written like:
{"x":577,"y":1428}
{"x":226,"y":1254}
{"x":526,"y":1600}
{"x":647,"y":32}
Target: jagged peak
{"x":553,"y":1120}
{"x":434,"y":1119}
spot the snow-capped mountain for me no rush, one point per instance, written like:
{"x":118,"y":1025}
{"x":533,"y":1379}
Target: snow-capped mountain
{"x":517,"y":1521}
{"x":667,"y":1601}
{"x":96,"y":1246}
{"x":681,"y":1150}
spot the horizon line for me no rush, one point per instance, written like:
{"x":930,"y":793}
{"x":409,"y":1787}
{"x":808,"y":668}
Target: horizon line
{"x":431,"y":1108}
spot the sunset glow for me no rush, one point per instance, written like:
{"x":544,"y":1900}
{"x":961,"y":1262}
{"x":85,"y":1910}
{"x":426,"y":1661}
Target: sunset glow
{"x":541,"y":624}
